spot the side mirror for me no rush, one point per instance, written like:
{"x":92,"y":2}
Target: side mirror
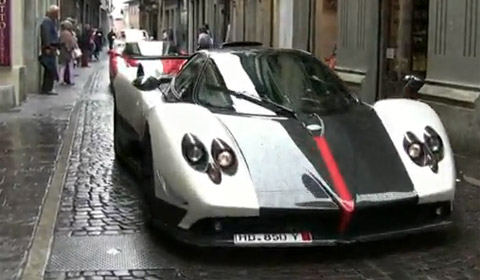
{"x":140,"y":71}
{"x":146,"y":84}
{"x":413,"y":82}
{"x":140,"y":78}
{"x":412,"y":86}
{"x":149,"y":83}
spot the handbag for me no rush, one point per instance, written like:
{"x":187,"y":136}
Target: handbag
{"x":77,"y":53}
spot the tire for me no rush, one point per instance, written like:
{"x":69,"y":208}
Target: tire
{"x":116,"y":142}
{"x":147,"y":178}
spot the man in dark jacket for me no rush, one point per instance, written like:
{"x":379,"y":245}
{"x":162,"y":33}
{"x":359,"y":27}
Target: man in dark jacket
{"x":85,"y":43}
{"x":48,"y":57}
{"x":111,"y":39}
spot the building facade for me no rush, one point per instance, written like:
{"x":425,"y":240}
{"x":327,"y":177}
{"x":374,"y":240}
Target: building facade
{"x":132,"y":14}
{"x":149,"y":14}
{"x":21,"y":42}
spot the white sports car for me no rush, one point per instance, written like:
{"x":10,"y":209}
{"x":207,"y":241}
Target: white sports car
{"x":253,"y":146}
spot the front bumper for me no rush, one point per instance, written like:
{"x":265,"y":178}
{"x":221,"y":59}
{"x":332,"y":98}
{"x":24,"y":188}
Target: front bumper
{"x":366,"y":225}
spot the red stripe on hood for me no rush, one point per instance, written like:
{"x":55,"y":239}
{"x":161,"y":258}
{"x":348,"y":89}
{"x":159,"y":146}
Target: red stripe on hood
{"x":339,"y":184}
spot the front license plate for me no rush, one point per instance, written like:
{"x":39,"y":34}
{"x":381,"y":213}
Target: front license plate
{"x":272,"y":238}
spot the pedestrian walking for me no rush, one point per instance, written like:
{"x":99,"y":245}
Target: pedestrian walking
{"x":85,"y":44}
{"x":99,"y":40}
{"x":78,"y":34}
{"x":93,"y":47}
{"x":204,"y":40}
{"x":49,"y":46}
{"x":207,"y":28}
{"x":66,"y":57}
{"x":111,"y":39}
{"x":164,"y":35}
{"x":76,"y":52}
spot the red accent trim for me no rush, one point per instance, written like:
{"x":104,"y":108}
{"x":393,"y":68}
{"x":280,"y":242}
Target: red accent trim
{"x":113,"y":64}
{"x":306,"y":236}
{"x":130,"y":61}
{"x":339,"y":184}
{"x":172,"y":66}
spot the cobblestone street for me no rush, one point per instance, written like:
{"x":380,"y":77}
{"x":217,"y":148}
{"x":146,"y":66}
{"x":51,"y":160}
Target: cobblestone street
{"x":30,"y":139}
{"x":100,"y":231}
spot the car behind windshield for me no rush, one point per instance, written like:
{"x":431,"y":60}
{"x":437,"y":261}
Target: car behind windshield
{"x":150,"y":49}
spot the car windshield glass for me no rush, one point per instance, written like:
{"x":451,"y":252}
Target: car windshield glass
{"x":291,"y":79}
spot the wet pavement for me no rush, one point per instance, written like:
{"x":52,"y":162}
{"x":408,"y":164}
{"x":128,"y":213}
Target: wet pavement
{"x":30,"y":138}
{"x":100,"y":232}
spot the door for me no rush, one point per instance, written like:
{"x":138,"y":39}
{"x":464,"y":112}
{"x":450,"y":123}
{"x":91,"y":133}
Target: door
{"x":405,"y":31}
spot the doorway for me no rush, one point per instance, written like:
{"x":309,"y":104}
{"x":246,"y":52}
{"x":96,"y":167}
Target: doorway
{"x":405,"y":44}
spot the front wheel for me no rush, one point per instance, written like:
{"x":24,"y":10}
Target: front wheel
{"x":116,"y":139}
{"x":147,"y":178}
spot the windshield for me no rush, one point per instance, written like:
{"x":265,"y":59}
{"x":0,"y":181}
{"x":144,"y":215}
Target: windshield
{"x":149,"y":48}
{"x":292,"y":79}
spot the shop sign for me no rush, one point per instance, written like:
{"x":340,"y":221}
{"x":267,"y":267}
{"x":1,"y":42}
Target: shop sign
{"x":5,"y":34}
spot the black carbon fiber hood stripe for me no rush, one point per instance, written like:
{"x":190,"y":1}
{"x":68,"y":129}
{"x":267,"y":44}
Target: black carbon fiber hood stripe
{"x":282,"y":175}
{"x":288,"y":170}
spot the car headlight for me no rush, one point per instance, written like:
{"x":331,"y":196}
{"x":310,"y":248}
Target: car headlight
{"x":224,"y":156}
{"x":415,"y":150}
{"x":434,"y":142}
{"x":225,"y":159}
{"x":194,"y":152}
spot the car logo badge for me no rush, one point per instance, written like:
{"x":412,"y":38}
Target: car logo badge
{"x":314,"y":127}
{"x":318,"y":128}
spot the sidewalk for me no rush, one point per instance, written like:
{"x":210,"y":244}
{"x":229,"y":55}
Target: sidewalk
{"x":31,"y":137}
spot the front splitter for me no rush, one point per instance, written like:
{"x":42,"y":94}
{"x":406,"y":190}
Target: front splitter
{"x":187,"y":237}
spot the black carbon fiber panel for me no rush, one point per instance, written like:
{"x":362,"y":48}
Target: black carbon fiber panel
{"x":94,"y":253}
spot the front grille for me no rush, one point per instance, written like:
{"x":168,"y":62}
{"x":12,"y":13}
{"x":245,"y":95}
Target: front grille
{"x":274,"y":221}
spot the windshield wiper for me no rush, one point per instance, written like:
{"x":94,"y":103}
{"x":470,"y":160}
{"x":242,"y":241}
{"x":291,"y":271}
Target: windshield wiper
{"x":277,"y":108}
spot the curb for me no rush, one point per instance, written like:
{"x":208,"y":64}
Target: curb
{"x":42,"y":240}
{"x":471,"y":180}
{"x":39,"y":253}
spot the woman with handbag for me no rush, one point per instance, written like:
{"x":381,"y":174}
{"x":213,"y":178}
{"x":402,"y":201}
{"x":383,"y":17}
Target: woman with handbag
{"x":67,"y":46}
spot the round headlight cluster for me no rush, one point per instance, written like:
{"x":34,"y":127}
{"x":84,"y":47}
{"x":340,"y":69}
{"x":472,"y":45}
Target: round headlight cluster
{"x":195,"y":153}
{"x":224,"y":156}
{"x":427,"y":153}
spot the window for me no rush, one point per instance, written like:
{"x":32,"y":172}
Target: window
{"x":211,"y":88}
{"x":185,"y":81}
